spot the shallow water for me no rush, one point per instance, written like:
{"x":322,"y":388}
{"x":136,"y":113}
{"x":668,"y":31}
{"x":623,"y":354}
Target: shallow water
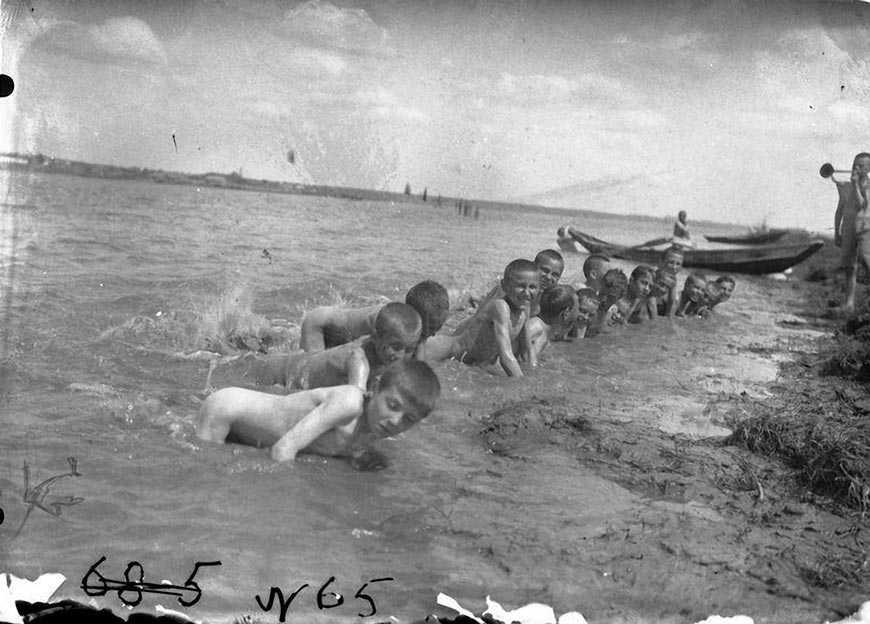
{"x":108,"y":282}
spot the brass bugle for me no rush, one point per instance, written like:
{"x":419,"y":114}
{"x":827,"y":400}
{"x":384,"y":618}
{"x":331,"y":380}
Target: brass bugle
{"x":827,"y":170}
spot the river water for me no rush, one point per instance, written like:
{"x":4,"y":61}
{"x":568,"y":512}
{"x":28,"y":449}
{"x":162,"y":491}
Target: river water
{"x":110,"y":286}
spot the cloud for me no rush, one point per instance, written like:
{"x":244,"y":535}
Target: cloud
{"x":536,"y":87}
{"x":385,"y":105}
{"x":584,"y":89}
{"x":324,"y":25}
{"x":118,"y":40}
{"x":318,"y":62}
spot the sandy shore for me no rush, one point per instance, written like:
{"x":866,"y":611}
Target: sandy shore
{"x":673,"y":520}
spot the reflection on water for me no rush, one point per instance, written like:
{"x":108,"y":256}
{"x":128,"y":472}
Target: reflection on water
{"x":113,"y":283}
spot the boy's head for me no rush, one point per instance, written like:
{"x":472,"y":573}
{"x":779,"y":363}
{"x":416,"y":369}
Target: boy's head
{"x":693,"y":288}
{"x":614,"y":283}
{"x":664,"y":282}
{"x":587,"y":304}
{"x":672,"y":259}
{"x":521,"y":283}
{"x":594,"y":267}
{"x":397,"y":332}
{"x":432,"y":303}
{"x":727,"y":284}
{"x":641,"y":281}
{"x":682,"y":216}
{"x":558,"y":305}
{"x":551,"y":265}
{"x":401,"y":396}
{"x":714,"y":293}
{"x":862,"y":164}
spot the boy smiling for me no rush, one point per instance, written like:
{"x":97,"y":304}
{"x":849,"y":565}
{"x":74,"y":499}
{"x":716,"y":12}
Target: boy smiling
{"x":493,"y":332}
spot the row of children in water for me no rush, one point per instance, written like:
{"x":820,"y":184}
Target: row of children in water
{"x":364,"y":374}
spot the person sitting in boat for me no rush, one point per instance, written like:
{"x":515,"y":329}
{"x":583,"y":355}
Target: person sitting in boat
{"x":681,"y":226}
{"x":587,"y":309}
{"x":693,"y":299}
{"x":495,"y":331}
{"x":671,"y":262}
{"x":557,"y":316}
{"x":395,"y":336}
{"x":336,"y":421}
{"x":614,"y":284}
{"x":325,"y":327}
{"x":633,"y":304}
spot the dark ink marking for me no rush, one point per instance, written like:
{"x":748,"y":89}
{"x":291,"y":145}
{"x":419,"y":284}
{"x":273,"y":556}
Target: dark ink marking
{"x":842,"y":88}
{"x":36,"y":497}
{"x":174,"y":143}
{"x":320,"y":594}
{"x":267,"y":255}
{"x":291,"y":157}
{"x":336,"y":599}
{"x":137,"y":586}
{"x":368,"y":598}
{"x":7,"y":85}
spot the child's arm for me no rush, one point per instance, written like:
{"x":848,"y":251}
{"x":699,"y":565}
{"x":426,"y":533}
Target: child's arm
{"x":311,"y":331}
{"x":358,"y":369}
{"x":533,"y":339}
{"x":501,"y":323}
{"x":337,"y":406}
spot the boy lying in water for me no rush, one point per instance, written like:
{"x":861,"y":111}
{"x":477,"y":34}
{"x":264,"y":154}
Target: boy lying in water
{"x":633,"y":304}
{"x":693,"y":299}
{"x":493,"y":332}
{"x":326,"y":327}
{"x":557,"y":317}
{"x":395,"y":336}
{"x":339,"y":421}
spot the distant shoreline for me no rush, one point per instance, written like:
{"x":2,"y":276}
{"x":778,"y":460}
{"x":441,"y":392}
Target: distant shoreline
{"x":40,"y":163}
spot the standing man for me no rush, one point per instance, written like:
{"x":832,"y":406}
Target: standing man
{"x":852,"y":225}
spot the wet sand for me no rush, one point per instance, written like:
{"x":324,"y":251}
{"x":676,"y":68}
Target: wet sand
{"x":664,"y":516}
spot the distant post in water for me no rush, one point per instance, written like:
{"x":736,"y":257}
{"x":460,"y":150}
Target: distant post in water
{"x":424,"y":193}
{"x":407,"y":188}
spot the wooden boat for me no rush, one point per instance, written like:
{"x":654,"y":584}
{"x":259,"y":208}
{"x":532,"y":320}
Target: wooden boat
{"x":762,"y":237}
{"x":756,"y":260}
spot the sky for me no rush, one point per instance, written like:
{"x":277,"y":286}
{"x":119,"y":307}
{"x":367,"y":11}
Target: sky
{"x":725,"y":109}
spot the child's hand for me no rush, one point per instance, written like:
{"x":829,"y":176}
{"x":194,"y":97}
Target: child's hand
{"x":369,"y":460}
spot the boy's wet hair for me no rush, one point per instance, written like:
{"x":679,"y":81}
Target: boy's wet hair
{"x":556,"y":300}
{"x":673,"y":250}
{"x":594,"y":261}
{"x":520,"y":265}
{"x":726,"y":278}
{"x":430,"y":300}
{"x":588,"y":294}
{"x":861,"y":155}
{"x":642,"y":270}
{"x":549,"y":254}
{"x":416,"y":381}
{"x":398,"y":319}
{"x":614,"y":277}
{"x":699,"y":279}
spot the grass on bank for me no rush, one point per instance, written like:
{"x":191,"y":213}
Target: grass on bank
{"x":821,"y":428}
